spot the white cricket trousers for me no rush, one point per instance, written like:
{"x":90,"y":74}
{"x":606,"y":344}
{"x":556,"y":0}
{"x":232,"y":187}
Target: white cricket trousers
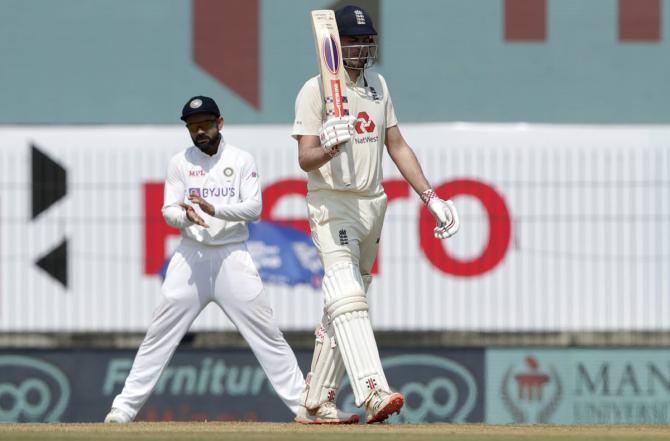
{"x":199,"y":274}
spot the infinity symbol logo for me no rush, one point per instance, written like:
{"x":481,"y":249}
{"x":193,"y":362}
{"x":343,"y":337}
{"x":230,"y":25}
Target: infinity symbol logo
{"x":447,"y":392}
{"x":37,"y":391}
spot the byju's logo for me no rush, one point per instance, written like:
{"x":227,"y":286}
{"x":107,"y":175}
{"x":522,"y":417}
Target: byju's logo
{"x":31,"y":390}
{"x":440,"y":389}
{"x":212,"y":192}
{"x":531,"y":394}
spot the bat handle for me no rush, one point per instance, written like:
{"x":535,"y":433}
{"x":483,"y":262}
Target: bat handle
{"x":346,"y":170}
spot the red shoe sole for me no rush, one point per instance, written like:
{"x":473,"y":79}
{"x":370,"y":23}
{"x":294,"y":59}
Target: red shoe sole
{"x":392,"y":407}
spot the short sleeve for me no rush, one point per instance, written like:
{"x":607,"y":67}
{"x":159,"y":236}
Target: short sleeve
{"x":308,"y":109}
{"x":389,"y":110}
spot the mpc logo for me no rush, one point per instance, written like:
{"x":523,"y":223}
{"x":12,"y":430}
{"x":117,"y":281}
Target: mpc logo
{"x":436,"y":389}
{"x":31,"y":390}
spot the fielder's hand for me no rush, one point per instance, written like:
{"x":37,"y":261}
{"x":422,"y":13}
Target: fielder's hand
{"x":336,"y":131}
{"x":193,"y":216}
{"x":203,"y":204}
{"x":444,"y":213}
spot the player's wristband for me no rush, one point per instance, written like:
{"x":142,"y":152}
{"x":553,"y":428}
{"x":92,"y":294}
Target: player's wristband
{"x":428,"y":195}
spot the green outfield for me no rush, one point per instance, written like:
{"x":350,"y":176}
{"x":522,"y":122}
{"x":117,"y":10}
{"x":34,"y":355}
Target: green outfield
{"x":280,"y":432}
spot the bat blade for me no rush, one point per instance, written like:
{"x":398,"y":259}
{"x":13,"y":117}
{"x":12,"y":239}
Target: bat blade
{"x":333,"y":76}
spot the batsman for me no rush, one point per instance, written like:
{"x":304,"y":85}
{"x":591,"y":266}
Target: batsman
{"x":346,"y":216}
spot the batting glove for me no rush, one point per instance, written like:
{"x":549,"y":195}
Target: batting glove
{"x":444,"y":213}
{"x":336,"y":131}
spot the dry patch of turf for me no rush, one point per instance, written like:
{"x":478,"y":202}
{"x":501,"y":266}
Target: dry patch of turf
{"x":246,"y":431}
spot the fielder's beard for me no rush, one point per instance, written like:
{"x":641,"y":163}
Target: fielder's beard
{"x":210,"y":147}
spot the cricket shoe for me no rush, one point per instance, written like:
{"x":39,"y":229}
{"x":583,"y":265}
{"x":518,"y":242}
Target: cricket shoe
{"x":117,"y":416}
{"x":327,"y":413}
{"x":382,"y":405}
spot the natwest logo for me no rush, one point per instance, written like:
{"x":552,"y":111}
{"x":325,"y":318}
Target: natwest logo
{"x":364,"y":123}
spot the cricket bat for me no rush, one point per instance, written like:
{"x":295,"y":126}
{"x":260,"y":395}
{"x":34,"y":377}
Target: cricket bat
{"x":333,"y":76}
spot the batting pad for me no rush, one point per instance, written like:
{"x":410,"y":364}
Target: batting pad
{"x":327,"y":368}
{"x":347,"y":309}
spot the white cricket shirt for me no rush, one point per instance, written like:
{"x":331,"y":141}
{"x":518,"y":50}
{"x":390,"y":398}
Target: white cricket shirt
{"x":228,"y":180}
{"x":370,"y":102}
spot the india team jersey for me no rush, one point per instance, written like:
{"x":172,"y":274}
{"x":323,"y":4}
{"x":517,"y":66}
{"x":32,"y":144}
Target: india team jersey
{"x":228,"y":180}
{"x":370,"y":103}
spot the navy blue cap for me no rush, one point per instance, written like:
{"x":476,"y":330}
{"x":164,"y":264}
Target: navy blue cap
{"x":199,"y":104}
{"x":352,"y":20}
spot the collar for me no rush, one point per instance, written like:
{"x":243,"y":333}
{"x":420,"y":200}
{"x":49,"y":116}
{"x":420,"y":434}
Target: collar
{"x":360,"y":81}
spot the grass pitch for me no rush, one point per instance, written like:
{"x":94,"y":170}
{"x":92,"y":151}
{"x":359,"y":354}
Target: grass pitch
{"x":294,"y":432}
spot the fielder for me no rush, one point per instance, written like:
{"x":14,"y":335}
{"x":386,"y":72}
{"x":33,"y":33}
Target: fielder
{"x":211,"y":191}
{"x":346,"y":220}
